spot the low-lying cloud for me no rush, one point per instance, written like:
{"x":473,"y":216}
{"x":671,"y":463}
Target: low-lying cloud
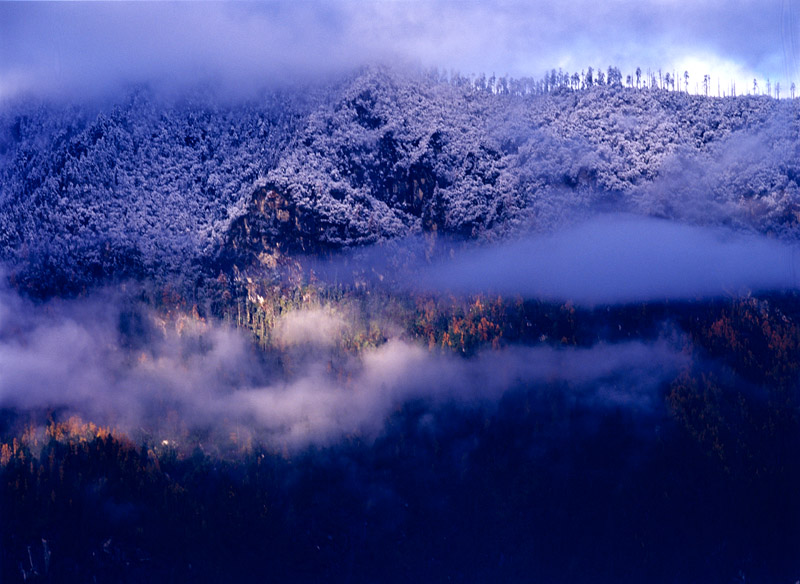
{"x":87,"y":357}
{"x":308,"y":327}
{"x":614,"y":259}
{"x":318,"y":408}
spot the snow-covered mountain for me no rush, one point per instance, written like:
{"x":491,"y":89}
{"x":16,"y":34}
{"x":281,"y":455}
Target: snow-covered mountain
{"x":153,"y":188}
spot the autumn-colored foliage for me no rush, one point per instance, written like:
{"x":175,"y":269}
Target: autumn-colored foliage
{"x":740,"y":399}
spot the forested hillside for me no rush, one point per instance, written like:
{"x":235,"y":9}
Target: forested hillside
{"x":401,"y":327}
{"x":144,"y":189}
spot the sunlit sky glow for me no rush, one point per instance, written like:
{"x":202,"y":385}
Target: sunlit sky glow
{"x":75,"y":48}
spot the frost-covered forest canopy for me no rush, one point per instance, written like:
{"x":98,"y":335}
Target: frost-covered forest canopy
{"x":145,"y":187}
{"x":400,"y":325}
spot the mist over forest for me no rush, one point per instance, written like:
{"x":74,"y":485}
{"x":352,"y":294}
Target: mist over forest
{"x":389,"y":324}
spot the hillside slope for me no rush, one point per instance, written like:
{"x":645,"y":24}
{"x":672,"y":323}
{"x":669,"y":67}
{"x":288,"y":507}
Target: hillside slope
{"x":175,"y":190}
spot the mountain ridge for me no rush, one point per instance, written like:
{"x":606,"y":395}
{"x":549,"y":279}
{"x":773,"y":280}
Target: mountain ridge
{"x":147,"y":190}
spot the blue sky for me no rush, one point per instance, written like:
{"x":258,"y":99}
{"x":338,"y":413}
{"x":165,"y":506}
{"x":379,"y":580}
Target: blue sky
{"x":91,"y":47}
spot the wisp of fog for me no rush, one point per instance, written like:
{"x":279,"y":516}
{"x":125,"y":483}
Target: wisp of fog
{"x":75,"y":357}
{"x":614,"y":259}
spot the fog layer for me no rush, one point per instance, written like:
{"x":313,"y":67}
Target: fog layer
{"x":621,"y":259}
{"x":137,"y":371}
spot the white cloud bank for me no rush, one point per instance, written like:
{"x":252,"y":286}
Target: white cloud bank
{"x":81,"y":49}
{"x":619,"y":259}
